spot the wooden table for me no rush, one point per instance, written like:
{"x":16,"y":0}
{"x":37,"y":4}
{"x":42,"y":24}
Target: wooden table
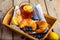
{"x":51,"y":7}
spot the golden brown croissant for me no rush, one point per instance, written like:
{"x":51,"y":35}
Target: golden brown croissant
{"x":42,"y":26}
{"x":28,"y":22}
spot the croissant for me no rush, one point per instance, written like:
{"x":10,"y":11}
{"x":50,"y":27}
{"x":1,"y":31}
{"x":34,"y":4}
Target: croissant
{"x":28,"y":22}
{"x":42,"y":26}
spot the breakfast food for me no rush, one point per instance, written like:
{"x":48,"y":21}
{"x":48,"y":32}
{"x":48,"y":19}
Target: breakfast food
{"x":28,"y":22}
{"x":42,"y":25}
{"x":23,"y":23}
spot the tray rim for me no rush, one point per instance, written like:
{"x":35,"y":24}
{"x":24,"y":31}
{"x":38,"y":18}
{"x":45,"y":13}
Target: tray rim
{"x":6,"y":24}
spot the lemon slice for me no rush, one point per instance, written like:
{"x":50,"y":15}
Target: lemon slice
{"x":28,"y":8}
{"x":14,"y":21}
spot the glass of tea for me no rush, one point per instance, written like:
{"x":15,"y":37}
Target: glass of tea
{"x":26,"y":10}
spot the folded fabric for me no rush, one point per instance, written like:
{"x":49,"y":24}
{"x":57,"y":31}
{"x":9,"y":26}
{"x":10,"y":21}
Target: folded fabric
{"x":38,"y":13}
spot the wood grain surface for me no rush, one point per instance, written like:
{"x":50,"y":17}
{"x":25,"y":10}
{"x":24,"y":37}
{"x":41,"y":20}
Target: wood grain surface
{"x":51,"y":7}
{"x":6,"y":34}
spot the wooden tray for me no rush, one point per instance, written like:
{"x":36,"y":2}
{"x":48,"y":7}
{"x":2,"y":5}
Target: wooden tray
{"x":51,"y":21}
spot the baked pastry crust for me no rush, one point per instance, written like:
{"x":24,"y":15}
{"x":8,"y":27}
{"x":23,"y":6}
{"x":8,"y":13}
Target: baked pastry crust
{"x":42,"y":26}
{"x":28,"y":22}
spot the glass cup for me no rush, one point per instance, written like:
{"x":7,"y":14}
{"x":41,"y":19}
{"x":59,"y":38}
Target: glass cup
{"x":27,"y":12}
